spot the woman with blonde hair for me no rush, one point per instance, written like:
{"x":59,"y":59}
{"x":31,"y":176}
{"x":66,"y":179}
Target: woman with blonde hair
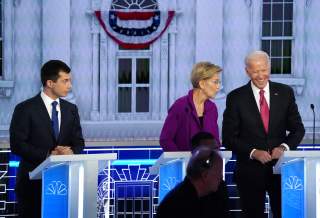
{"x":194,"y":112}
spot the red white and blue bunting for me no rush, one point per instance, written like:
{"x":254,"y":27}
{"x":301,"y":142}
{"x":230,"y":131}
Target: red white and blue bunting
{"x":134,"y":29}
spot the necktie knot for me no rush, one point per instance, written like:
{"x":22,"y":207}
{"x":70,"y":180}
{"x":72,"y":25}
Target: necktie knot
{"x":261,"y":92}
{"x":54,"y":104}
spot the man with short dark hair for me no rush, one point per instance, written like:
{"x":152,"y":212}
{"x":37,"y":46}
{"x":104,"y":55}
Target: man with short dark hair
{"x":204,"y":174}
{"x":203,"y":138}
{"x":41,"y":126}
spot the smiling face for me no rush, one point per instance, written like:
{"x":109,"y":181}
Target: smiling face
{"x":258,"y":69}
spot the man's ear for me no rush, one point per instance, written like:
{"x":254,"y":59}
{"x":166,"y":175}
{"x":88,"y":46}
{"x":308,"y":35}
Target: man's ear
{"x":247,"y":71}
{"x":49,"y":83}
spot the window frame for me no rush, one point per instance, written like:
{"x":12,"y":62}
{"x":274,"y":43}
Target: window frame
{"x":282,"y":38}
{"x":133,"y":55}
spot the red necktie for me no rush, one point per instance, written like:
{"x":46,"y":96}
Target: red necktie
{"x":264,"y":110}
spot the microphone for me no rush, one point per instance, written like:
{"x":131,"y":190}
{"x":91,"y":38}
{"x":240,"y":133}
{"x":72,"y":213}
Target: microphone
{"x":314,"y":125}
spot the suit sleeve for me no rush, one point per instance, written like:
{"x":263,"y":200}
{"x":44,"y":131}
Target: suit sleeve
{"x":20,"y":130}
{"x":231,"y":129}
{"x":294,"y":124}
{"x":169,"y":130}
{"x":77,"y":138}
{"x":216,"y":126}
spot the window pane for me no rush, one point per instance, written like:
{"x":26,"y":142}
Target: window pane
{"x":287,"y":29}
{"x":288,"y":11}
{"x":124,"y":99}
{"x":265,"y":46}
{"x":266,"y":0}
{"x":277,"y":28}
{"x":142,"y":96}
{"x":275,"y":65}
{"x":287,"y":48}
{"x":125,"y":71}
{"x":277,"y":12}
{"x":143,"y":71}
{"x":266,"y":12}
{"x":286,"y":66}
{"x":129,"y":207}
{"x":137,"y":205}
{"x":146,"y":205}
{"x":266,"y":29}
{"x":120,"y":205}
{"x":276,"y":48}
{"x":1,"y":68}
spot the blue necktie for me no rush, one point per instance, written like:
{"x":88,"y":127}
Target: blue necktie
{"x":54,"y":119}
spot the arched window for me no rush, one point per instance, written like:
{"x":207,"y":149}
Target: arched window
{"x":134,"y":4}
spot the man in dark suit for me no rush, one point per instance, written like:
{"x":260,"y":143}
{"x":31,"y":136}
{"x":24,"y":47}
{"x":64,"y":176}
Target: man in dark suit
{"x":204,"y":174}
{"x":256,"y":120}
{"x":41,"y":126}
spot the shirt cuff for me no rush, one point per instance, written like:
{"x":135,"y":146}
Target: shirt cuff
{"x":252,"y":153}
{"x":286,"y":146}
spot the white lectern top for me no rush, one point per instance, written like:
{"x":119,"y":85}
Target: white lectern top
{"x":169,"y":156}
{"x":56,"y":159}
{"x":290,"y":155}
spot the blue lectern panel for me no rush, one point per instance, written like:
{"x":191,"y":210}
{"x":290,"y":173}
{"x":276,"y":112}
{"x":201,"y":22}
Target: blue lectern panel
{"x":170,"y":175}
{"x":318,"y":189}
{"x":293,"y":189}
{"x":55,"y":192}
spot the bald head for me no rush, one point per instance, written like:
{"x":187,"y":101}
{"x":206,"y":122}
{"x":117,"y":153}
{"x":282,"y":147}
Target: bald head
{"x":203,"y":159}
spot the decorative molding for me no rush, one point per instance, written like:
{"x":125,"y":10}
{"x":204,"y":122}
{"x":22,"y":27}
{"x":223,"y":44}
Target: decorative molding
{"x":297,"y":84}
{"x":16,"y":3}
{"x":6,"y":88}
{"x":308,"y":3}
{"x":248,"y":2}
{"x":7,"y":79}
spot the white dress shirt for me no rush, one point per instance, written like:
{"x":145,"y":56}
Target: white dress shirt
{"x":48,"y":103}
{"x":256,"y":94}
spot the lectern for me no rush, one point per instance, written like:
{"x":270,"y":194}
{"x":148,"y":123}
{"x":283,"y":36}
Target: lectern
{"x":300,"y":183}
{"x":69,"y":184}
{"x":171,"y":167}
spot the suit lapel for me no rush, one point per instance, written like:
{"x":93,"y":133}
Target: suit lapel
{"x":43,"y":113}
{"x":274,"y":102}
{"x":253,"y":107}
{"x":63,"y":118}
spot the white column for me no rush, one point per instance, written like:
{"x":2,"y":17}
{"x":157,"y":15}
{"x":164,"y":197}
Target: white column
{"x":56,"y":30}
{"x":298,"y":48}
{"x":164,"y":76}
{"x":172,"y":56}
{"x":155,"y":76}
{"x":255,"y":24}
{"x":236,"y":43}
{"x":209,"y":29}
{"x":94,"y":115}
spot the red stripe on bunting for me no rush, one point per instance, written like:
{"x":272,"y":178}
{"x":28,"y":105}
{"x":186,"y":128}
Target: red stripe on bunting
{"x":134,"y":15}
{"x":132,"y":45}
